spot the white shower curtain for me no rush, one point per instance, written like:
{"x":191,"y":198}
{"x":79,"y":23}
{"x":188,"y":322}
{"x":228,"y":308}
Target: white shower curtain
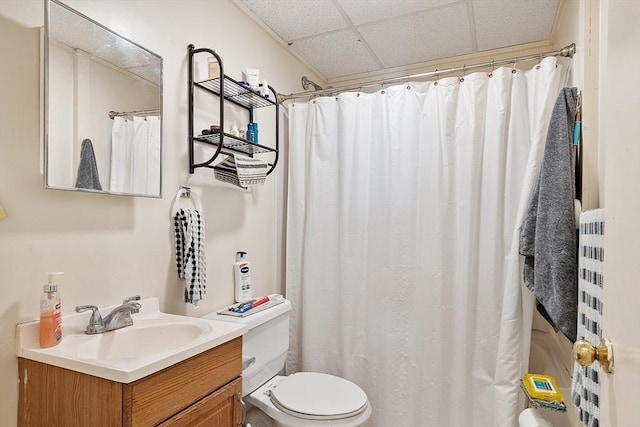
{"x":135,"y":155}
{"x":402,"y":264}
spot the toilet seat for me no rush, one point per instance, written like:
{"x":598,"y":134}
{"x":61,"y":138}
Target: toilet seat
{"x":316,"y":396}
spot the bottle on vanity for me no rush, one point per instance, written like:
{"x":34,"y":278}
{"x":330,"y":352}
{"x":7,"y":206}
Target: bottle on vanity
{"x":241,"y":273}
{"x":50,"y":314}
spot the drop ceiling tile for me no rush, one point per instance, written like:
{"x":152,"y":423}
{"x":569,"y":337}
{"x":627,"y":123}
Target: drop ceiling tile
{"x":421,"y":37}
{"x":336,"y":54}
{"x":364,"y":11}
{"x":501,"y":23}
{"x":294,"y":19}
{"x":397,"y":33}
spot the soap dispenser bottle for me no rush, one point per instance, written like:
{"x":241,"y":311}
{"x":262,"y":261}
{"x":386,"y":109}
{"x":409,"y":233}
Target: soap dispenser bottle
{"x":242,"y":278}
{"x":50,"y":314}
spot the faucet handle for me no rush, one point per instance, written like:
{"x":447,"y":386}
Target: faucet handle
{"x":95,"y":321}
{"x":135,"y":307}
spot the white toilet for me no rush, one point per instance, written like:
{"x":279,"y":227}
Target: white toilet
{"x":531,"y":417}
{"x":304,"y":399}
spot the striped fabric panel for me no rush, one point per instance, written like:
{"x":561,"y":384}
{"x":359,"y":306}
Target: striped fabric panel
{"x":241,"y":171}
{"x":585,"y":390}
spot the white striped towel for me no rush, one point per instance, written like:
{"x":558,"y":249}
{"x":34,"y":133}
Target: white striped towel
{"x":585,"y":389}
{"x":241,"y":171}
{"x":190,"y":253}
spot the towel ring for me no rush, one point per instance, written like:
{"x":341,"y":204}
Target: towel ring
{"x":185,"y":192}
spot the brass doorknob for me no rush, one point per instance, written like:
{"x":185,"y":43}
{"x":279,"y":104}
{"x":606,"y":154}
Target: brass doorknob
{"x":585,"y":354}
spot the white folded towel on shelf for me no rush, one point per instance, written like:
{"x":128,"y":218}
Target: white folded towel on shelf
{"x":241,"y":171}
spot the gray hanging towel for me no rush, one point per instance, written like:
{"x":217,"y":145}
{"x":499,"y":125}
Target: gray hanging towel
{"x":87,"y":169}
{"x":548,"y":233}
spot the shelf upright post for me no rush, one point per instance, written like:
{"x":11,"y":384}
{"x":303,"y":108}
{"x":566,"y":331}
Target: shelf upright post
{"x":192,"y":52}
{"x":190,"y":122}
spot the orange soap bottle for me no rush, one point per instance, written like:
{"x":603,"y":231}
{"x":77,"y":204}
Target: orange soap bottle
{"x":50,"y":314}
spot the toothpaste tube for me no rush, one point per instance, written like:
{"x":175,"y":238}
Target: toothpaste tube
{"x":261,"y":301}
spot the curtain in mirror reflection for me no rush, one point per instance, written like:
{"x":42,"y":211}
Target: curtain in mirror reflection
{"x":135,"y":155}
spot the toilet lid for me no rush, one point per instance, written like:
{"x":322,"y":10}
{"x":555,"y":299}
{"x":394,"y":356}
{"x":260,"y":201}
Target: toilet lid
{"x":313,"y":395}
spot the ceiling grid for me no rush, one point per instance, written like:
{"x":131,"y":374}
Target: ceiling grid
{"x":342,"y":38}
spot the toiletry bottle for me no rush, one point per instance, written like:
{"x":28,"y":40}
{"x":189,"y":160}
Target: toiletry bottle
{"x":242,"y":278}
{"x":234,"y":129}
{"x":214,"y":68}
{"x":252,"y":76}
{"x":251,"y":136}
{"x":255,"y":131}
{"x":50,"y":314}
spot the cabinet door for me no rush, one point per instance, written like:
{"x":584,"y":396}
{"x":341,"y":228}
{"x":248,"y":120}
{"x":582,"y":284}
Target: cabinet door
{"x":221,"y":408}
{"x":160,"y":396}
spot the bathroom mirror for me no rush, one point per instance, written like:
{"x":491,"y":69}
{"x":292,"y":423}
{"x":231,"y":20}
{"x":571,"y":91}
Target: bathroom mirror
{"x":102,"y":108}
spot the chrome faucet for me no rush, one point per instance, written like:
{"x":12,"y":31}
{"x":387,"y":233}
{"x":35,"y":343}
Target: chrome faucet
{"x":119,"y":317}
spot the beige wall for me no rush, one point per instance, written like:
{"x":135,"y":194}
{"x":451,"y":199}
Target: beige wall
{"x":111,"y":247}
{"x":578,"y":21}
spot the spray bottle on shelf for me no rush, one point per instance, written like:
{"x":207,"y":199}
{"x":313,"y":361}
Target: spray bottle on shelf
{"x":242,"y":278}
{"x":50,"y":314}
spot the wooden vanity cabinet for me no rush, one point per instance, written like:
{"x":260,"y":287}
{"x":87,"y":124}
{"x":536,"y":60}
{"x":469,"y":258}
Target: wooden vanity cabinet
{"x":203,"y":390}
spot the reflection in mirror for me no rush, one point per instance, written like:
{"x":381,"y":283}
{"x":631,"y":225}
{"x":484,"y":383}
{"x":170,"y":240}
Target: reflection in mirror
{"x":103,"y":108}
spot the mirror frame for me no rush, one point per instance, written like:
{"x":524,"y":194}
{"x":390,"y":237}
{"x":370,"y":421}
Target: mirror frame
{"x":46,"y":100}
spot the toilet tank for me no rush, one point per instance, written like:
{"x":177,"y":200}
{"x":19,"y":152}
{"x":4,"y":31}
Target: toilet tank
{"x":264,"y":346}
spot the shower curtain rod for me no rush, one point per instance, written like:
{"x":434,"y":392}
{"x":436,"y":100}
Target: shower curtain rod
{"x":567,"y":51}
{"x":113,"y":114}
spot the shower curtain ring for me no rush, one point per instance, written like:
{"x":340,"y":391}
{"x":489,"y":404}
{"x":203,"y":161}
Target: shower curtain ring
{"x":464,"y":68}
{"x":541,"y":58}
{"x":513,"y":69}
{"x":435,"y":74}
{"x":492,"y":68}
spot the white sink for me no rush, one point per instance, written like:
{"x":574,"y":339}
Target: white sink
{"x":155,"y":341}
{"x":146,"y":337}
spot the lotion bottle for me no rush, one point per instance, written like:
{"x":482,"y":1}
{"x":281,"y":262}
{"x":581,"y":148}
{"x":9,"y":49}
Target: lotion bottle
{"x":234,"y":129}
{"x":50,"y":314}
{"x":242,"y":278}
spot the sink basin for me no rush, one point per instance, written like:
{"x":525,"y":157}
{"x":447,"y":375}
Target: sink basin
{"x":146,"y":337}
{"x":155,"y":341}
